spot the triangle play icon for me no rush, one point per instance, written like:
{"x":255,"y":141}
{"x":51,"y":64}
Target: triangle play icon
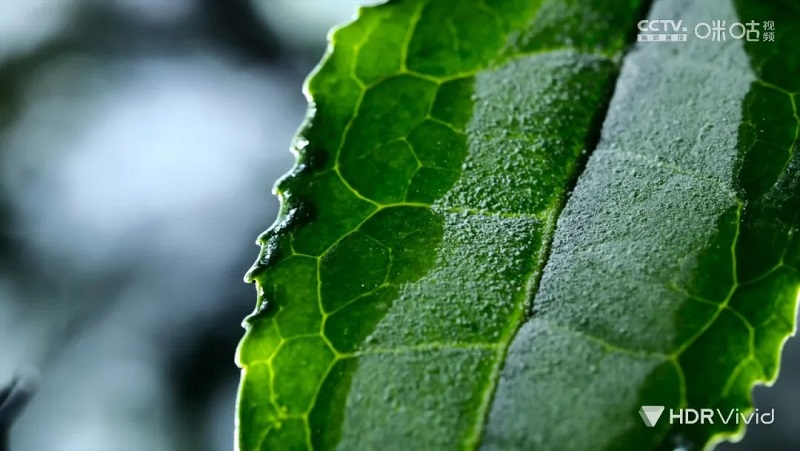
{"x":651,"y":414}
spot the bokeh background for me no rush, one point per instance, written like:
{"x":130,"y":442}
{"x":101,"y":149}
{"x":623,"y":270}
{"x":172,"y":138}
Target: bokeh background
{"x":139,"y":141}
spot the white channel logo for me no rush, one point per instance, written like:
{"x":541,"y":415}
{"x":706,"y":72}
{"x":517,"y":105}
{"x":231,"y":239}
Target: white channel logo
{"x":651,"y":414}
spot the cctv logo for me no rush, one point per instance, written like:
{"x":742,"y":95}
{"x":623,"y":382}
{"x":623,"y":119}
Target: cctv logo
{"x":661,"y":31}
{"x":660,"y":25}
{"x":651,"y":414}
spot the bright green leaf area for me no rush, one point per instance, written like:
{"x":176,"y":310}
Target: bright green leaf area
{"x":481,"y":247}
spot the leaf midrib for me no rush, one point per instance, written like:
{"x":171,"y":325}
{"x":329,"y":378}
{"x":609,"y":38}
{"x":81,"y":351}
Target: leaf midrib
{"x":524,"y":308}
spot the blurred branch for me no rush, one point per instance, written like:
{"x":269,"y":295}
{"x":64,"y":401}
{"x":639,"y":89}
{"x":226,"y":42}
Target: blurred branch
{"x":13,"y":399}
{"x":236,"y":23}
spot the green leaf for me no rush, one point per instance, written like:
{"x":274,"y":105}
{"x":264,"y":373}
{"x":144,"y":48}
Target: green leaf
{"x":451,"y":269}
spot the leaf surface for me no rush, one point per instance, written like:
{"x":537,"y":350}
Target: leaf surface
{"x":431,"y":283}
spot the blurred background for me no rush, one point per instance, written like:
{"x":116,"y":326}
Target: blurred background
{"x":139,"y":142}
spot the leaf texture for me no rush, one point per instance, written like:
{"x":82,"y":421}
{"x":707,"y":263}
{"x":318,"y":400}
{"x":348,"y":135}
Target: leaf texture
{"x":433,"y":281}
